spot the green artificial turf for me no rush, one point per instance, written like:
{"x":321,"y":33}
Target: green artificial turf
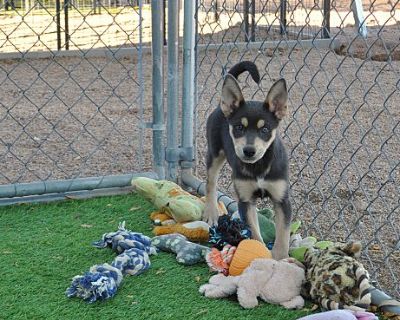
{"x":43,"y":246}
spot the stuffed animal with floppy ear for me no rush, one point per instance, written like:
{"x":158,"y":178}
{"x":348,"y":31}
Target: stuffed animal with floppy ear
{"x":277,"y":282}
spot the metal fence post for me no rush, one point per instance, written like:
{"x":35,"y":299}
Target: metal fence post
{"x":165,"y":21}
{"x":172,"y":154}
{"x":66,"y":26}
{"x":359,"y":18}
{"x":216,"y":15}
{"x":157,"y":45}
{"x":196,"y":69}
{"x":246,"y":19}
{"x":283,"y":17}
{"x":253,"y":21}
{"x":58,"y":21}
{"x":327,"y":19}
{"x":188,"y":84}
{"x":141,"y":81}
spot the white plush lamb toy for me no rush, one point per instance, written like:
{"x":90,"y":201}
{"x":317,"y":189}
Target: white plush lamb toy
{"x":277,"y":282}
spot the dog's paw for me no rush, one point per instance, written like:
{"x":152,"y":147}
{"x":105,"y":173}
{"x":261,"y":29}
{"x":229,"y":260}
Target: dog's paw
{"x":210,"y":216}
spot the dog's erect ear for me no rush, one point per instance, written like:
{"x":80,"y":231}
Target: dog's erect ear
{"x":231,"y":96}
{"x":277,"y":99}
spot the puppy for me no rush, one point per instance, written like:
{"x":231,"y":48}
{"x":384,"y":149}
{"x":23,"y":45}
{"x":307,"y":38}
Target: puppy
{"x":245,"y":134}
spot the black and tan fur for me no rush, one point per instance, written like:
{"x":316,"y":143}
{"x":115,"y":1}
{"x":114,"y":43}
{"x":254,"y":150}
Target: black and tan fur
{"x":244,"y":133}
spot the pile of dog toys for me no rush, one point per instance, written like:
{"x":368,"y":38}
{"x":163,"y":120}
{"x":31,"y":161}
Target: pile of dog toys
{"x":323,"y":272}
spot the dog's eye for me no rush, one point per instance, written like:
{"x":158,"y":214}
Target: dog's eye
{"x":264,"y":130}
{"x":239,"y":127}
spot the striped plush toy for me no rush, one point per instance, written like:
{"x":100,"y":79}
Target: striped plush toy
{"x":335,"y":279}
{"x":102,"y":281}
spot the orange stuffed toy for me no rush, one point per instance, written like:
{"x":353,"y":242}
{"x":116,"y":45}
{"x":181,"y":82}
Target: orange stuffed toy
{"x":246,"y":252}
{"x":196,"y":231}
{"x":234,"y":260}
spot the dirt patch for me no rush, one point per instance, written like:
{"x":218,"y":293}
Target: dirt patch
{"x":381,"y":44}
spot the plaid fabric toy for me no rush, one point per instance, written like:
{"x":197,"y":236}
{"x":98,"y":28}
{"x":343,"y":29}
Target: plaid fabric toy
{"x":102,"y":281}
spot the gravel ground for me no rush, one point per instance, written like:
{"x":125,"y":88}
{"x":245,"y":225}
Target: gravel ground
{"x":74,"y":117}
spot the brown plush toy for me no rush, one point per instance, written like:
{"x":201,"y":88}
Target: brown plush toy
{"x":161,"y":218}
{"x":196,"y":231}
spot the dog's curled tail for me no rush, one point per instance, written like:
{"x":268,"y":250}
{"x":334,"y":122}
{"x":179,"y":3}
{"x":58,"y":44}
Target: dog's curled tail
{"x":243,"y":66}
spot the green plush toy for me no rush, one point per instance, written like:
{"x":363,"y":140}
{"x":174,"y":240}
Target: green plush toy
{"x":170,"y":198}
{"x":299,"y":246}
{"x":267,"y":224}
{"x":187,"y":252}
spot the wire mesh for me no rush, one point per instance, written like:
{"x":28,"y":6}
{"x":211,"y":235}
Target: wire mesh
{"x":342,"y":132}
{"x":64,"y":117}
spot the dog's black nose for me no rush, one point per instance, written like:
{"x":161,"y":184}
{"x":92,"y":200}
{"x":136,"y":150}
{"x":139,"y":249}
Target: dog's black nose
{"x":249,"y":151}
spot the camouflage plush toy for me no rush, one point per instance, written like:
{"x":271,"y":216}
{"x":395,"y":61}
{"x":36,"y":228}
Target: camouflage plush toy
{"x":335,"y":279}
{"x":187,"y":253}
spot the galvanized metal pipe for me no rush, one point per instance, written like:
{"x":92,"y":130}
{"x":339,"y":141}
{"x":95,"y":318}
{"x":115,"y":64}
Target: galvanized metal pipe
{"x":75,"y":195}
{"x":189,"y":24}
{"x":57,"y":186}
{"x":246,"y":20}
{"x":195,"y":94}
{"x":200,"y":187}
{"x":133,"y":52}
{"x":158,"y":126}
{"x":66,"y":23}
{"x":141,"y":87}
{"x":58,"y":23}
{"x":172,"y":115}
{"x":283,"y":12}
{"x":326,"y":32}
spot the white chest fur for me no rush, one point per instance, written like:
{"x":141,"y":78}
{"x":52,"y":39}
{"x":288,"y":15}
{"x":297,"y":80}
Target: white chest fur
{"x":276,"y":188}
{"x":247,"y":188}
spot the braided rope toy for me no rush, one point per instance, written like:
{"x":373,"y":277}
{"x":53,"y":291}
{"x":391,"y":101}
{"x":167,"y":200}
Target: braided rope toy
{"x":102,"y":281}
{"x":220,"y":260}
{"x":228,"y":231}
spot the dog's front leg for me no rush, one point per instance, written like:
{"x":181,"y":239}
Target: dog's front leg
{"x":214,"y":165}
{"x":283,"y":215}
{"x":248,"y":214}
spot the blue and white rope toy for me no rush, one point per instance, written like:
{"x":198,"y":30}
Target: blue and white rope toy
{"x":102,"y":281}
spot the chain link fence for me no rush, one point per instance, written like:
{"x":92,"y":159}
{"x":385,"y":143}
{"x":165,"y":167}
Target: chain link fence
{"x":75,"y":99}
{"x":79,"y":111}
{"x":342,"y":132}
